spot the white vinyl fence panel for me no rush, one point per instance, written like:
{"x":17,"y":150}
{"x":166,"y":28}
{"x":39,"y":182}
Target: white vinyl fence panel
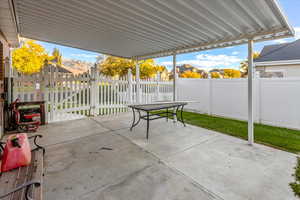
{"x":276,"y":101}
{"x":280,"y":102}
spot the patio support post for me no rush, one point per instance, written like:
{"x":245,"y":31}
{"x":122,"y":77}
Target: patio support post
{"x":51,"y":92}
{"x":210,"y":92}
{"x":250,"y":92}
{"x":137,"y":79}
{"x":174,"y":76}
{"x":157,"y":86}
{"x":174,"y":84}
{"x":129,"y":77}
{"x":93,"y":91}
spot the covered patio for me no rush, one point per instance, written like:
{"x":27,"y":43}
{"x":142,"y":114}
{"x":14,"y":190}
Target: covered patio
{"x":140,"y":30}
{"x":99,"y":158}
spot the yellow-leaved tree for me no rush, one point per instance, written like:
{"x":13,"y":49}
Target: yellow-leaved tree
{"x":56,"y":57}
{"x":215,"y":75}
{"x":232,"y":73}
{"x":244,"y":64}
{"x":29,"y":58}
{"x":190,"y":74}
{"x":115,"y":66}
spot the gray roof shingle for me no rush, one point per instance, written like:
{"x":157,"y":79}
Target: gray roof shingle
{"x":279,"y":52}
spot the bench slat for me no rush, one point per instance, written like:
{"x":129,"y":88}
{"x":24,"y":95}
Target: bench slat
{"x":7,"y":181}
{"x":12,"y":179}
{"x":38,"y":174}
{"x":23,"y":177}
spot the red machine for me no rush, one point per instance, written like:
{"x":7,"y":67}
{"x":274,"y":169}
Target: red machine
{"x":16,"y":153}
{"x":25,"y":121}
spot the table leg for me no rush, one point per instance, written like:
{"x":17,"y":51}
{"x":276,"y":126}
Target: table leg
{"x":167,"y":114}
{"x":134,"y":119}
{"x":174,"y":115}
{"x":148,"y":125}
{"x":181,"y":115}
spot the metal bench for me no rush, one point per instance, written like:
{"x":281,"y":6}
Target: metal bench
{"x":24,"y":182}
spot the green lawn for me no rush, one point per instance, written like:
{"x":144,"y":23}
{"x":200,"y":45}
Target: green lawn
{"x":281,"y":138}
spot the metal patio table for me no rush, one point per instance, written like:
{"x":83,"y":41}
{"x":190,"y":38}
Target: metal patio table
{"x":156,"y":111}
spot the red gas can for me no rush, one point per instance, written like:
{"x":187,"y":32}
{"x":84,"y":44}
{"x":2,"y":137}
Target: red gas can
{"x":16,"y":153}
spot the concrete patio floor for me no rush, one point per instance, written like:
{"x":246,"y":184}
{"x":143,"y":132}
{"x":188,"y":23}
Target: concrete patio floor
{"x":176,"y":163}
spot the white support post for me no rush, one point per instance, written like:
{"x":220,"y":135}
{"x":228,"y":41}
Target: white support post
{"x":157,"y":86}
{"x":96,"y":89}
{"x":51,"y":92}
{"x":93,"y":91}
{"x":174,"y":77}
{"x":138,"y":84}
{"x":210,"y":92}
{"x":129,"y":77}
{"x":250,"y":92}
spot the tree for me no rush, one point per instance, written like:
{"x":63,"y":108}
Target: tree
{"x":244,"y":64}
{"x":215,"y":75}
{"x":190,"y":74}
{"x":29,"y":58}
{"x":115,"y":66}
{"x":232,"y":73}
{"x":56,"y":57}
{"x":148,"y":68}
{"x":100,"y":58}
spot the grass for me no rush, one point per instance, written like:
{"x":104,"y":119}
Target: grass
{"x":281,"y":138}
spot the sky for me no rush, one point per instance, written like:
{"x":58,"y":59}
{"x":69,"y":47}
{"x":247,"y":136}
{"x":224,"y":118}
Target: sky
{"x":228,"y":57}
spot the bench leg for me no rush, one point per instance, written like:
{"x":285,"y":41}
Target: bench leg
{"x":36,"y":144}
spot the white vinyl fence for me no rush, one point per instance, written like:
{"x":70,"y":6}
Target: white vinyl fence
{"x":276,"y":100}
{"x":71,"y":97}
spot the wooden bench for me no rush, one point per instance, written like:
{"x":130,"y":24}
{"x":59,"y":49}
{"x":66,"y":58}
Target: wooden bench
{"x":24,"y":182}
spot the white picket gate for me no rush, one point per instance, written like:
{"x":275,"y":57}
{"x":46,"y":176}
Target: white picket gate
{"x":70,"y":97}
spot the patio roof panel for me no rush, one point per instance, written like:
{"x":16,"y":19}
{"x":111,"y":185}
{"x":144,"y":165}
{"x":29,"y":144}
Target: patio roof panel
{"x":146,"y":29}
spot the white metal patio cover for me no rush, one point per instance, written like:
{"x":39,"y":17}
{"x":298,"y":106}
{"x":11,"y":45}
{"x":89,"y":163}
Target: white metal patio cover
{"x":152,"y":28}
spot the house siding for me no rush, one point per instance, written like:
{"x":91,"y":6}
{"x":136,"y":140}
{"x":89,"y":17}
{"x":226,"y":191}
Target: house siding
{"x":4,"y":53}
{"x":287,"y":70}
{"x":6,"y":48}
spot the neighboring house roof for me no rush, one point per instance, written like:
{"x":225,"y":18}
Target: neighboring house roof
{"x":72,"y":70}
{"x":280,"y":53}
{"x":66,"y":69}
{"x":60,"y":69}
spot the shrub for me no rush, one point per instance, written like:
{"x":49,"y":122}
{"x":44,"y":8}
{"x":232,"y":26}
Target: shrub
{"x":296,"y":185}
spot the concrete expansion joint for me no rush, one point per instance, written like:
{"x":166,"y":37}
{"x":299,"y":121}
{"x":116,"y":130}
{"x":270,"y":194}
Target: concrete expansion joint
{"x":97,"y":122}
{"x":161,"y":161}
{"x":190,"y":147}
